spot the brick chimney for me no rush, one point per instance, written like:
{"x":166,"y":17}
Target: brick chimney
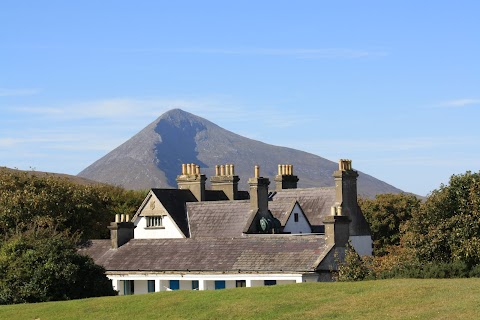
{"x":121,"y":231}
{"x":259,"y":193}
{"x":193,"y":180}
{"x":285,"y":178}
{"x":346,"y":188}
{"x":226,"y":180}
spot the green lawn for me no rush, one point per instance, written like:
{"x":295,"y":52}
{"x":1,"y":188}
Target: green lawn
{"x":385,"y":299}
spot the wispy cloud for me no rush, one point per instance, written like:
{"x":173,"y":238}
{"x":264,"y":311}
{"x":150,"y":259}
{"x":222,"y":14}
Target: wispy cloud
{"x":217,"y":108}
{"x":302,"y":53}
{"x":5,"y":92}
{"x":460,"y":103}
{"x":115,"y":108}
{"x":423,"y":161}
{"x":109,"y":122}
{"x":67,"y":139}
{"x":7,"y":142}
{"x":299,"y":53}
{"x":376,"y":146}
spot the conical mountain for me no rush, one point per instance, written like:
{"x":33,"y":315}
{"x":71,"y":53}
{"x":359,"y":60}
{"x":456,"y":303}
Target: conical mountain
{"x":153,"y":157}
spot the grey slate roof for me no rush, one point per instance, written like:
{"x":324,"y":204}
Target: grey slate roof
{"x":315,"y":202}
{"x":248,"y":254}
{"x":218,"y":218}
{"x":281,"y":209}
{"x":175,"y":200}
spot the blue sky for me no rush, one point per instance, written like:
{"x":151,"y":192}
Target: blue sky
{"x":392,"y":85}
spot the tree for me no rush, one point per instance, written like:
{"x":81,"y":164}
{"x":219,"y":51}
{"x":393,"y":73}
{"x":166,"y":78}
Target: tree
{"x":386,"y":214}
{"x":43,"y":265}
{"x":447,"y":226}
{"x":27,"y":200}
{"x":42,"y":219}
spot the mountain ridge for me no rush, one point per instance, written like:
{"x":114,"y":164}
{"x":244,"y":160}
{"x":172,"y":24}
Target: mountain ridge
{"x":153,"y":157}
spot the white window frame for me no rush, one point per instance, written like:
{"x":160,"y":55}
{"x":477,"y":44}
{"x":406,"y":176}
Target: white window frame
{"x":154,"y":221}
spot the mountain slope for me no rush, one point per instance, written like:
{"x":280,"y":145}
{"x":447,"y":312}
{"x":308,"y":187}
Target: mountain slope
{"x":153,"y":157}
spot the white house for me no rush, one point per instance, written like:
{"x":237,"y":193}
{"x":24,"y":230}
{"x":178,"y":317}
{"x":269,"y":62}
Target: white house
{"x":196,"y":239}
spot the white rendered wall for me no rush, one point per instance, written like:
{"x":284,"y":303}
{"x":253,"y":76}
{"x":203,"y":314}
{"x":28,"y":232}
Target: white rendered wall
{"x":229,"y":284}
{"x":301,"y":226}
{"x":310,"y":278}
{"x":140,"y":287}
{"x":362,"y":244}
{"x":185,"y":284}
{"x":206,"y":281}
{"x":257,"y":283}
{"x":169,"y":230}
{"x":120,"y":287}
{"x":153,"y":207}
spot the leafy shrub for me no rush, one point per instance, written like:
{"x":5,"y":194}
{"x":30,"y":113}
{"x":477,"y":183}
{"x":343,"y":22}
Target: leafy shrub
{"x":385,"y":215}
{"x":353,"y":268}
{"x":43,"y":265}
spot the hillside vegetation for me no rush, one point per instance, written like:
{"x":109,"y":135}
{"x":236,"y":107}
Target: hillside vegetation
{"x":437,"y":238}
{"x":381,"y":299}
{"x":42,"y":219}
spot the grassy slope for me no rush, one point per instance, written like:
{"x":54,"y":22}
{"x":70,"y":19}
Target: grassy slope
{"x":386,"y":299}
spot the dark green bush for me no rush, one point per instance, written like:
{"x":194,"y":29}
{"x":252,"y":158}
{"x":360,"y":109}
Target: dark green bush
{"x":43,"y":265}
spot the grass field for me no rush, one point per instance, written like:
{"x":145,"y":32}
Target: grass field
{"x":386,"y":299}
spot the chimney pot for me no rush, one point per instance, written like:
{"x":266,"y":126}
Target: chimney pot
{"x":217,"y":170}
{"x":285,"y":178}
{"x":257,"y":171}
{"x":339,"y":211}
{"x":194,"y":181}
{"x":226,"y":181}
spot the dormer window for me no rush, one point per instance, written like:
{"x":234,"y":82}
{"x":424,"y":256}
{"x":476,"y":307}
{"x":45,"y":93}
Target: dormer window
{"x":154,"y":222}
